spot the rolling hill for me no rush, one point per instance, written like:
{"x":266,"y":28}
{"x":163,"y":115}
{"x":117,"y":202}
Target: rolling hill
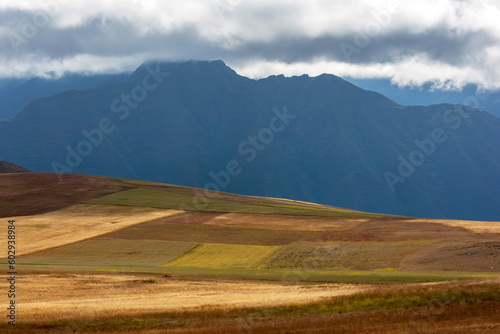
{"x":317,"y":139}
{"x":119,"y":224}
{"x":116,"y":255}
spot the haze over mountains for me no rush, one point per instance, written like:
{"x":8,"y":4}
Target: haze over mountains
{"x":470,"y":95}
{"x":319,"y":139}
{"x":16,"y":94}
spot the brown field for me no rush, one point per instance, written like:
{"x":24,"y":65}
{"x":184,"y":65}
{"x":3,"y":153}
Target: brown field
{"x":163,"y":230}
{"x":284,"y":222}
{"x":469,"y":255}
{"x":397,"y":230}
{"x":72,"y":302}
{"x":35,"y":193}
{"x":367,"y":255}
{"x":76,"y":223}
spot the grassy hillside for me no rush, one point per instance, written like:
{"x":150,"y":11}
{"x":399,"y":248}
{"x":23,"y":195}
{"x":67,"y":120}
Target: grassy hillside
{"x":121,"y":256}
{"x":127,"y":225}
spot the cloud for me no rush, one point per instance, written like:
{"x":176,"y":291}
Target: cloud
{"x":449,"y":42}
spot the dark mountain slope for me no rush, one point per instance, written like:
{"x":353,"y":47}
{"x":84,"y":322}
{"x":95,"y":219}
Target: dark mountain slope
{"x":6,"y":168}
{"x":16,"y":94}
{"x":426,"y":95}
{"x":317,"y":139}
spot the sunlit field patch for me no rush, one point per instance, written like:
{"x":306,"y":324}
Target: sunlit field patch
{"x":76,"y":223}
{"x":224,"y":256}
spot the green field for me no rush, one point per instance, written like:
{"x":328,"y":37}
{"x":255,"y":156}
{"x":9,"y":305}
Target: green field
{"x":112,"y":252}
{"x":169,"y":200}
{"x":284,"y":275}
{"x":223,"y":256}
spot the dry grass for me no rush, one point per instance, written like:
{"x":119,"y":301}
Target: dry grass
{"x":284,"y":222}
{"x":474,"y":226}
{"x":126,"y":303}
{"x":54,"y":297}
{"x":76,"y":223}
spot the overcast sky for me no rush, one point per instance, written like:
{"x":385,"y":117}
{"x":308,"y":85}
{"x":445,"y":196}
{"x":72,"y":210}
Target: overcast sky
{"x":449,"y":42}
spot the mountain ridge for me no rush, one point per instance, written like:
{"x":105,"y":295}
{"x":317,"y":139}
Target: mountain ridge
{"x":205,"y":125}
{"x":7,"y":168}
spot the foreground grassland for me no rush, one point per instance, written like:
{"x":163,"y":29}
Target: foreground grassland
{"x":67,"y":302}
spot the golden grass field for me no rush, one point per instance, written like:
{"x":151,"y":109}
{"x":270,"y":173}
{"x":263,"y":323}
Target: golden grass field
{"x":53,"y":297}
{"x":76,"y":223}
{"x":74,"y":302}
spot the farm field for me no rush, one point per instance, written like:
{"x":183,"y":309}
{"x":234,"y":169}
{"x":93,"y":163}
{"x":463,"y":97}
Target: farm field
{"x":162,"y":199}
{"x":35,"y":193}
{"x":76,"y":223}
{"x":68,"y":302}
{"x":365,"y":255}
{"x":112,"y":252}
{"x":139,"y":255}
{"x":165,"y":230}
{"x":284,"y":222}
{"x":224,"y":256}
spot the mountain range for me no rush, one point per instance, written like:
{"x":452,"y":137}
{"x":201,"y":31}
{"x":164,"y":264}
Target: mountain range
{"x":16,"y":94}
{"x":319,"y":139}
{"x":471,"y":95}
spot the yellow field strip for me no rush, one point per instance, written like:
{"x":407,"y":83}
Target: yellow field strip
{"x":76,"y":223}
{"x":224,"y":256}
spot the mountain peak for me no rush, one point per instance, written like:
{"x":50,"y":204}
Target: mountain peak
{"x":214,"y":66}
{"x":7,"y":167}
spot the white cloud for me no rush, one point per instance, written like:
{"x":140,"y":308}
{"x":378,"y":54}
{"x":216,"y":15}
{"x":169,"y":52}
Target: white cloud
{"x":409,"y":41}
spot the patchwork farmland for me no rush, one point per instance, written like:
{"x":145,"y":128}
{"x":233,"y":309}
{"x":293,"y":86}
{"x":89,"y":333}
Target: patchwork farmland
{"x":126,"y":235}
